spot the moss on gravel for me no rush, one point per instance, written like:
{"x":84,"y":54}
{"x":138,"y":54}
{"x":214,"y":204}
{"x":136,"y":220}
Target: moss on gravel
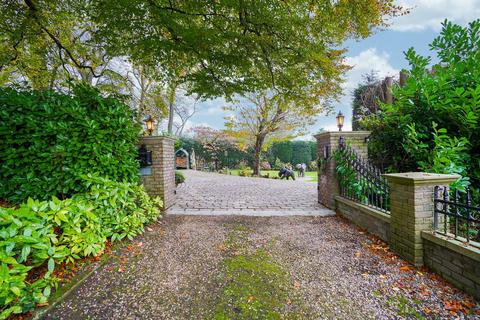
{"x":254,"y":285}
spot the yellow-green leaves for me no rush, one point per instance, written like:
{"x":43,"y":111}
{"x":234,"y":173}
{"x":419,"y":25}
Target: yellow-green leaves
{"x":47,"y":233}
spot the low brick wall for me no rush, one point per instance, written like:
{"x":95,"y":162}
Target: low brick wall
{"x":374,"y":221}
{"x":454,"y":261}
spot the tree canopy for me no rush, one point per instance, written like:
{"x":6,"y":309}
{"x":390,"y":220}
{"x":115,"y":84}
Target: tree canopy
{"x":226,"y":46}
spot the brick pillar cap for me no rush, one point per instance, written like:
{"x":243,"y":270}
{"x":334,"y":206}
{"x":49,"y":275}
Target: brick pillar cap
{"x":156,"y":138}
{"x":418,"y":178}
{"x":346,"y":134}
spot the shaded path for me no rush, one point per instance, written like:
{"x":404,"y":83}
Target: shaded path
{"x":205,"y":193}
{"x":173,"y":272}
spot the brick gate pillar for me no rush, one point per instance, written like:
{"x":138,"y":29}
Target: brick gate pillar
{"x":411,"y":210}
{"x":327,"y":143}
{"x":159,"y":178}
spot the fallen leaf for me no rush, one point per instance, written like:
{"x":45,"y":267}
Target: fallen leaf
{"x":455,"y":306}
{"x":407,"y":268}
{"x":358,"y":254}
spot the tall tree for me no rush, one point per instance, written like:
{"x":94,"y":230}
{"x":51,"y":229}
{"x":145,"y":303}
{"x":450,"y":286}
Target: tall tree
{"x":145,"y":91}
{"x":369,"y":95}
{"x":51,"y":54}
{"x":264,"y":118}
{"x":226,"y":46}
{"x":184,"y":110}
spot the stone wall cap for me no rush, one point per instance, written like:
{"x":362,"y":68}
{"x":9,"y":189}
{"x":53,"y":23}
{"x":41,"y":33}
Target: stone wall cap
{"x":150,"y":138}
{"x":342,"y":133}
{"x":457,"y":246}
{"x":411,"y":178}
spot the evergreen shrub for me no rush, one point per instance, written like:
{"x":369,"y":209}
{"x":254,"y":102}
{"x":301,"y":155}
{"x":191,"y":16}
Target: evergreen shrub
{"x":48,"y":140}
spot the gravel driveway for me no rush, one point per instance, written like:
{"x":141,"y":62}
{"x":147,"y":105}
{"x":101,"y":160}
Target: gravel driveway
{"x":337,"y":271}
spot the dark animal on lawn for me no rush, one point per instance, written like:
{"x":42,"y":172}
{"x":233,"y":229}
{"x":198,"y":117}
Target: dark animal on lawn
{"x":286,"y":173}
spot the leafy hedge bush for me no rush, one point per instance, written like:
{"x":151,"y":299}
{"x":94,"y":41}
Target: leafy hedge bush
{"x":434,"y":123}
{"x":49,"y":139}
{"x":47,"y":233}
{"x":179,"y":178}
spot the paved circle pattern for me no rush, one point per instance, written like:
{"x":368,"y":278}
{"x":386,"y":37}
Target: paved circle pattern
{"x":205,"y":193}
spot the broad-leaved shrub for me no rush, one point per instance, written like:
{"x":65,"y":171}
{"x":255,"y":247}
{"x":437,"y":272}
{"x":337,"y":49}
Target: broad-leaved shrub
{"x":46,"y":233}
{"x":49,"y":140}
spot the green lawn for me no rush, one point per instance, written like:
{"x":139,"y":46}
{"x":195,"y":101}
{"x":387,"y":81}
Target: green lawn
{"x":312,"y":175}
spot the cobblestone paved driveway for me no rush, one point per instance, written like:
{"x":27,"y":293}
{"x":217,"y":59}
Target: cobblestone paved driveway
{"x":205,"y":193}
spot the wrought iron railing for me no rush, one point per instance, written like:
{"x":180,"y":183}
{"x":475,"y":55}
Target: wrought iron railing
{"x":361,"y":181}
{"x":455,"y":215}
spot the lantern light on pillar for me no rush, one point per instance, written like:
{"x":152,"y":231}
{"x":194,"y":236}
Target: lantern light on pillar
{"x":340,"y":119}
{"x":149,"y":123}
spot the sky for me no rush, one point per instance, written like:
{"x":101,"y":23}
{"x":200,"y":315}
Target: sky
{"x":382,"y":52}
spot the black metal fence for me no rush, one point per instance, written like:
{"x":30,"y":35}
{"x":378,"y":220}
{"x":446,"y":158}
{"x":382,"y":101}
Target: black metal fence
{"x":361,"y":181}
{"x":456,"y":216}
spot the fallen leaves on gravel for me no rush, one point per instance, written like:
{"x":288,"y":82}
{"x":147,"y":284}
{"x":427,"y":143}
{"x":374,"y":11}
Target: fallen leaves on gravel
{"x":455,"y":306}
{"x":420,"y":282}
{"x":407,"y":268}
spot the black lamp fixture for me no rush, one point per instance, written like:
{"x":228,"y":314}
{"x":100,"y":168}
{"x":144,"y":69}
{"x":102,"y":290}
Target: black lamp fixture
{"x":149,"y":123}
{"x":340,"y":119}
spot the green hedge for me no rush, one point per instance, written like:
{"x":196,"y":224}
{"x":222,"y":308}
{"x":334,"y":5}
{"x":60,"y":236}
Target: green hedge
{"x":179,"y":178}
{"x":42,"y":234}
{"x":49,"y":139}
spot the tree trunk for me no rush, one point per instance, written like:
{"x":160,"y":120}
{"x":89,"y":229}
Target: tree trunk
{"x":403,"y":79}
{"x":388,"y":91}
{"x":170,"y":118}
{"x":256,"y":154}
{"x":171,"y":93}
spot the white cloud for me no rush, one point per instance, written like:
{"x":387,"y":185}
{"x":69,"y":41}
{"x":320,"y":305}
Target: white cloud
{"x":428,"y":14}
{"x":362,"y":63}
{"x":366,"y":61}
